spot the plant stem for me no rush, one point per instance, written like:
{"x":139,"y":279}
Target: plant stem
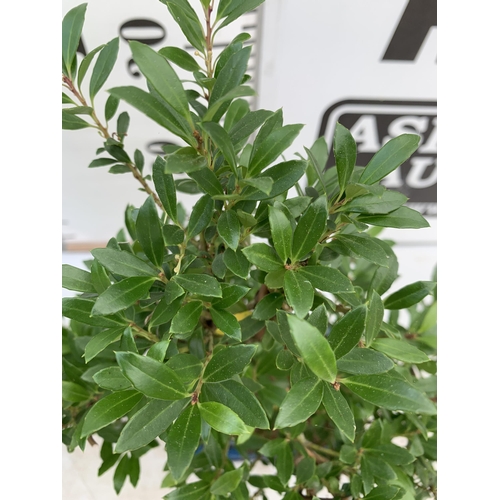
{"x":140,"y":332}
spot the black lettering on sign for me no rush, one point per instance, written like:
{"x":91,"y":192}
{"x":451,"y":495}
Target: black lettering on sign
{"x":156,"y":148}
{"x":374,"y":122}
{"x":144,"y":31}
{"x":81,"y":48}
{"x":418,"y":18}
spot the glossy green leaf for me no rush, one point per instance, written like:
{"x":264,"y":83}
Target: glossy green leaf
{"x":313,"y":348}
{"x":200,"y":284}
{"x":240,"y":399}
{"x":85,"y":64}
{"x":201,"y":216}
{"x":184,"y":160}
{"x":123,"y":263}
{"x":121,"y":473}
{"x":72,"y":26}
{"x":400,"y":349}
{"x":79,"y":309}
{"x":103,"y":66}
{"x":339,"y":411}
{"x":161,"y":76}
{"x":221,"y":418}
{"x":383,"y":493}
{"x":310,"y":228}
{"x":231,"y":294}
{"x":74,"y":392}
{"x":165,"y":187}
{"x":387,"y":202}
{"x":401,"y":218}
{"x":299,"y":293}
{"x":111,"y":107}
{"x":180,"y":57}
{"x":362,"y":245}
{"x":108,"y":409}
{"x":227,"y":483}
{"x":284,"y":463}
{"x":100,"y":341}
{"x":236,"y":262}
{"x":186,"y":366}
{"x":223,"y":142}
{"x":228,"y":227}
{"x":121,"y":295}
{"x":344,"y":147}
{"x":152,"y":378}
{"x":319,"y":318}
{"x":391,"y":392}
{"x":148,"y":423}
{"x":346,"y":332}
{"x":207,"y":181}
{"x":244,"y":128}
{"x":182,"y":441}
{"x":364,"y":362}
{"x":112,"y":379}
{"x":78,"y":110}
{"x":232,"y":10}
{"x":186,"y":319}
{"x":76,"y":279}
{"x":391,"y":453}
{"x":263,"y":256}
{"x":327,"y":279}
{"x":228,"y":362}
{"x":374,"y":317}
{"x":166,"y":310}
{"x":226,"y":322}
{"x":158,"y":351}
{"x":409,"y":295}
{"x":267,"y":307}
{"x":73,"y":122}
{"x":300,"y":403}
{"x":389,"y":157}
{"x":217,"y":109}
{"x":281,"y":232}
{"x":149,"y":232}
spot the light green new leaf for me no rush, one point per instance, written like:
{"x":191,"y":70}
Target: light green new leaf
{"x":182,"y":441}
{"x":228,"y":362}
{"x":299,"y":293}
{"x":161,"y":76}
{"x":364,"y":362}
{"x":228,"y":227}
{"x":148,"y":423}
{"x":389,"y":157}
{"x":409,"y":295}
{"x":300,"y":403}
{"x":339,"y":411}
{"x":199,"y":284}
{"x":108,"y":409}
{"x":121,"y":295}
{"x":123,"y":263}
{"x":100,"y":341}
{"x":103,"y":66}
{"x":374,"y":317}
{"x":226,"y":322}
{"x":281,"y":232}
{"x":391,"y":392}
{"x":76,"y":279}
{"x":187,"y":317}
{"x":149,"y":232}
{"x":310,"y":228}
{"x":152,"y":378}
{"x":72,"y":26}
{"x":314,"y":349}
{"x":165,"y":187}
{"x":401,"y":218}
{"x":344,"y":147}
{"x":227,"y":483}
{"x":222,"y":418}
{"x":400,"y":349}
{"x":201,"y":216}
{"x":346,"y":333}
{"x":263,"y":256}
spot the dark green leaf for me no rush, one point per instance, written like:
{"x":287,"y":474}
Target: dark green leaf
{"x":182,"y":441}
{"x":391,"y":453}
{"x":228,"y":227}
{"x":267,"y":307}
{"x":165,"y":187}
{"x":217,"y":109}
{"x":400,"y":349}
{"x":300,"y":403}
{"x":180,"y":57}
{"x":165,"y":311}
{"x":112,"y":379}
{"x":111,"y":107}
{"x":374,"y":317}
{"x":281,"y":232}
{"x":103,"y":66}
{"x":186,"y":366}
{"x":319,"y":318}
{"x":121,"y":295}
{"x":221,"y":418}
{"x":345,"y":154}
{"x":100,"y":341}
{"x":121,"y":473}
{"x":228,"y":362}
{"x":148,"y":423}
{"x":78,"y":110}
{"x":299,"y":293}
{"x":84,"y":65}
{"x":327,"y":279}
{"x":67,"y":100}
{"x":233,"y":9}
{"x":159,"y":350}
{"x":313,"y":348}
{"x":284,"y":463}
{"x":339,"y":411}
{"x":72,"y":26}
{"x":346,"y":332}
{"x":227,"y":483}
{"x":73,"y":122}
{"x":383,"y":493}
{"x":310,"y":228}
{"x":263,"y":256}
{"x":222,"y":140}
{"x":207,"y":181}
{"x":200,"y":216}
{"x":74,"y":393}
{"x":108,"y":409}
{"x":76,"y":279}
{"x":199,"y":284}
{"x":152,"y":378}
{"x":231,"y":294}
{"x":79,"y":309}
{"x":401,"y":218}
{"x":236,"y":262}
{"x":383,"y":277}
{"x":389,"y":157}
{"x":226,"y":322}
{"x":409,"y":295}
{"x":362,"y":245}
{"x":244,"y":128}
{"x":149,"y":232}
{"x":102,"y":162}
{"x":264,"y":184}
{"x":364,"y":362}
{"x":387,"y":391}
{"x":192,"y":491}
{"x":187,"y":317}
{"x":184,"y":160}
{"x":123,"y":263}
{"x":122,"y":124}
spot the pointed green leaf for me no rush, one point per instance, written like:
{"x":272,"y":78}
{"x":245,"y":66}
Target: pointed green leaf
{"x":221,"y":418}
{"x":391,"y":453}
{"x":236,"y":262}
{"x":123,"y":263}
{"x":228,"y":227}
{"x":362,"y":245}
{"x":401,"y":218}
{"x":228,"y":362}
{"x":267,"y":307}
{"x":319,"y":318}
{"x":400,"y":349}
{"x":281,"y":232}
{"x":409,"y":295}
{"x":73,"y":122}
{"x":165,"y":187}
{"x":217,"y":109}
{"x":201,"y":216}
{"x":364,"y":362}
{"x":374,"y":317}
{"x":199,"y":284}
{"x":226,"y":322}
{"x":299,"y":293}
{"x":148,"y":423}
{"x":227,"y":483}
{"x":121,"y":295}
{"x":207,"y":181}
{"x":121,"y":473}
{"x":339,"y":411}
{"x":80,"y":309}
{"x":310,"y":228}
{"x":103,"y":66}
{"x":182,"y":441}
{"x":152,"y":378}
{"x":180,"y":57}
{"x":387,"y":202}
{"x":346,"y":332}
{"x":184,"y":160}
{"x":149,"y":232}
{"x":313,"y":348}
{"x":73,"y":392}
{"x":72,"y":26}
{"x":284,"y":463}
{"x":112,"y":379}
{"x":187,"y":317}
{"x":244,"y":128}
{"x":76,"y":279}
{"x":166,"y":310}
{"x":327,"y":279}
{"x":186,"y":366}
{"x":100,"y":341}
{"x":300,"y":403}
{"x":231,"y":294}
{"x":263,"y":256}
{"x":232,"y":10}
{"x":222,"y":140}
{"x":387,"y":391}
{"x":344,"y":147}
{"x":108,"y":409}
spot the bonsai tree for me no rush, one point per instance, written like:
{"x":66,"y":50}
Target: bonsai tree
{"x":263,"y":327}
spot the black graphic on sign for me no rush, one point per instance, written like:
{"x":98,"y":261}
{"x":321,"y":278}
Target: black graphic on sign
{"x":372,"y":123}
{"x":418,"y":18}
